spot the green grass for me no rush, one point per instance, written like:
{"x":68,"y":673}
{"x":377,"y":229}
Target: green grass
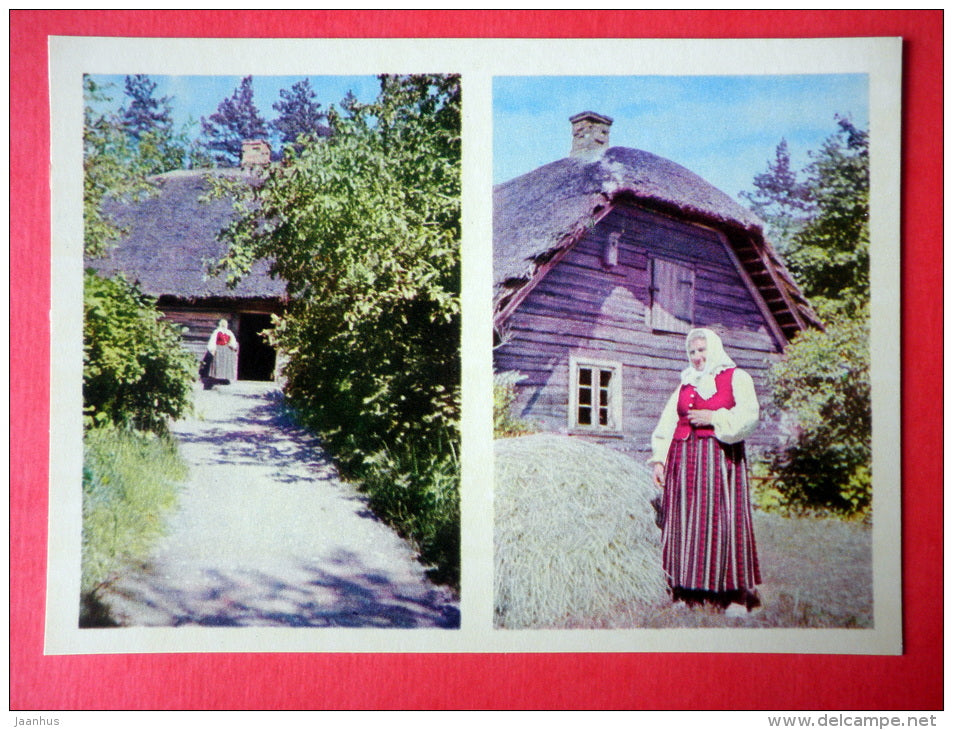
{"x":412,"y":486}
{"x":816,"y":573}
{"x":417,"y":493}
{"x":129,"y":487}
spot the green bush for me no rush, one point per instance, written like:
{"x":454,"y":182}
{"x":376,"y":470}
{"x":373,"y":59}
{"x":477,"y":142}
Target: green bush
{"x":129,"y":485}
{"x":505,"y":424}
{"x":417,"y":493}
{"x":824,"y":384}
{"x":364,"y":226}
{"x":387,"y":410}
{"x":135,"y":370}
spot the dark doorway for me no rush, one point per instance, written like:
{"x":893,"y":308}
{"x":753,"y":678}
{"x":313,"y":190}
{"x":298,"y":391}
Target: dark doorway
{"x":256,"y":358}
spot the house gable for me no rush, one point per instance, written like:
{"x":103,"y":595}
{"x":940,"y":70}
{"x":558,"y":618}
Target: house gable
{"x":594,"y":303}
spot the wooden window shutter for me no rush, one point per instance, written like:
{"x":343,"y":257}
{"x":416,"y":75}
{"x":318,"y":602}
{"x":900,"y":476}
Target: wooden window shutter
{"x":673,"y":296}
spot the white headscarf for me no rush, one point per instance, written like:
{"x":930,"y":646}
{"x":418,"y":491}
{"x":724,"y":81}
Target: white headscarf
{"x":716,"y":360}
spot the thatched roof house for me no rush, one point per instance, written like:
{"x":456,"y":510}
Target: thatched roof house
{"x":171,"y":238}
{"x":602,"y":262}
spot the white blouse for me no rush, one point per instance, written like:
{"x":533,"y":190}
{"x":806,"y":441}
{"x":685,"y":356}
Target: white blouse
{"x":731,"y":424}
{"x":232,"y":341}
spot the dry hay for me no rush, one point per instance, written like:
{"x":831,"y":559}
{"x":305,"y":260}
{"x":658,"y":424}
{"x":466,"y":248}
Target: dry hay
{"x":575,"y":534}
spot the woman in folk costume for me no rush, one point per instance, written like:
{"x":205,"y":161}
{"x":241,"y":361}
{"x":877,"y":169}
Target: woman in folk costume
{"x":223,"y":346}
{"x":708,"y":546}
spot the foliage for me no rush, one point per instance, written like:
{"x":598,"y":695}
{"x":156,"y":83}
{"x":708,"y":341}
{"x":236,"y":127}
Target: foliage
{"x":111,"y":169}
{"x":135,"y":371}
{"x":148,"y":122}
{"x":819,"y":217}
{"x":415,"y":489}
{"x":505,"y":424}
{"x":298,"y":114}
{"x":235,"y":120}
{"x":128,"y":487}
{"x":364,"y":226}
{"x":830,"y":256}
{"x":144,"y":112}
{"x":825,"y":383}
{"x":780,"y":198}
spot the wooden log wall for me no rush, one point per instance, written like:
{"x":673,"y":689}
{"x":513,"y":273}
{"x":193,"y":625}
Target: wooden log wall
{"x":200,"y":320}
{"x":199,"y":325}
{"x":583,"y":308}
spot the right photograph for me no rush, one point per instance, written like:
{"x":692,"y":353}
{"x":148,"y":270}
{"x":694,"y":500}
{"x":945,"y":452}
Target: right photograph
{"x":682,"y":391}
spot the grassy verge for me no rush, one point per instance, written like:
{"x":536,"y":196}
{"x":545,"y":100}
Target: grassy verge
{"x":129,"y":486}
{"x":418,"y":494}
{"x":817,"y":573}
{"x":414,"y":487}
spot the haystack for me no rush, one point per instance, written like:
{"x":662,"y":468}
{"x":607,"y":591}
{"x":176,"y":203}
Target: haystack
{"x":575,"y":535}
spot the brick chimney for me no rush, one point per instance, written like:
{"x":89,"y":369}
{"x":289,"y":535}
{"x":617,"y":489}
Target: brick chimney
{"x":590,"y":134}
{"x":255,"y":152}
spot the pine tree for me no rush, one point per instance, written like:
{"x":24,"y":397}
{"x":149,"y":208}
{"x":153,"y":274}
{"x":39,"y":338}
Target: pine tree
{"x":780,"y":198}
{"x":298,"y":114}
{"x":236,"y":120}
{"x":145,"y":113}
{"x":147,"y":121}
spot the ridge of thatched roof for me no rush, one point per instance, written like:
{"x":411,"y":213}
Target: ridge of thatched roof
{"x":543,"y":212}
{"x":172,"y":235}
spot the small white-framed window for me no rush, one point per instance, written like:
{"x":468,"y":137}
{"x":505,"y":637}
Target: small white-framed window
{"x":673,"y":296}
{"x":595,"y":395}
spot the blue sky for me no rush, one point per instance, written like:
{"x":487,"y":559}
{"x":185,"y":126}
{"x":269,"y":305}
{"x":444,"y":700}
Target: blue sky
{"x":724,"y":128}
{"x":199,"y":96}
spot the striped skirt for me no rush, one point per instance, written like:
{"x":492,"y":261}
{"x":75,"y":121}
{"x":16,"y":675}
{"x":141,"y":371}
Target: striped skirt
{"x":224,"y":364}
{"x":707,"y":533}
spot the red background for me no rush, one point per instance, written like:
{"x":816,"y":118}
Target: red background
{"x":912,"y":681}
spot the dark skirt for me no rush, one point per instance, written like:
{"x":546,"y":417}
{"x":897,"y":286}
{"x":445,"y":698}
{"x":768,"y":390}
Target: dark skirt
{"x":224,"y":364}
{"x":707,"y":532}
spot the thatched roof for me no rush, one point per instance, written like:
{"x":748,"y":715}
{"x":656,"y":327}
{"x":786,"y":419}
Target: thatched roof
{"x":171,"y":237}
{"x":541,"y":213}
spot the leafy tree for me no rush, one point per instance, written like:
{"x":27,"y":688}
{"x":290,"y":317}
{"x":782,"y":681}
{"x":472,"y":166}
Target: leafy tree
{"x":236,"y":119}
{"x":830,"y":255}
{"x":505,"y":424}
{"x":780,"y":198}
{"x":135,"y":371}
{"x":824,"y":380}
{"x":298,"y":114}
{"x":111,"y":169}
{"x":365,"y":229}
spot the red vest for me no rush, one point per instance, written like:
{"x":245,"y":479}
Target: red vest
{"x":689,"y":399}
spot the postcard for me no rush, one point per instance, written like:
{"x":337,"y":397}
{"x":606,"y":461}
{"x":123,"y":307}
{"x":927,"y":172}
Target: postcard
{"x":480,"y":345}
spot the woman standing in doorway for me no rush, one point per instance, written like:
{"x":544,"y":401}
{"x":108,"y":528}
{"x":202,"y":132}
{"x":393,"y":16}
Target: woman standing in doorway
{"x":708,"y":545}
{"x":223,"y":347}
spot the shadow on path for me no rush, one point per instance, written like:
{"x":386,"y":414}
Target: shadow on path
{"x":340,"y":592}
{"x":266,"y":534}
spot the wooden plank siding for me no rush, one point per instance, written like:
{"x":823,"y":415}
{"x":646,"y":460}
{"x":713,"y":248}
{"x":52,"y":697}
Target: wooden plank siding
{"x":584,"y":308}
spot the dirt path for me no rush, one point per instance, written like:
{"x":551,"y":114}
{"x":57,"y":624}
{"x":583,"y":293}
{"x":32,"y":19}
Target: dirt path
{"x":267,"y":535}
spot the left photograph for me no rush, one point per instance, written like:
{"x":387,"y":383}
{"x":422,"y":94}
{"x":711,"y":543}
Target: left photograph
{"x":271,"y":351}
